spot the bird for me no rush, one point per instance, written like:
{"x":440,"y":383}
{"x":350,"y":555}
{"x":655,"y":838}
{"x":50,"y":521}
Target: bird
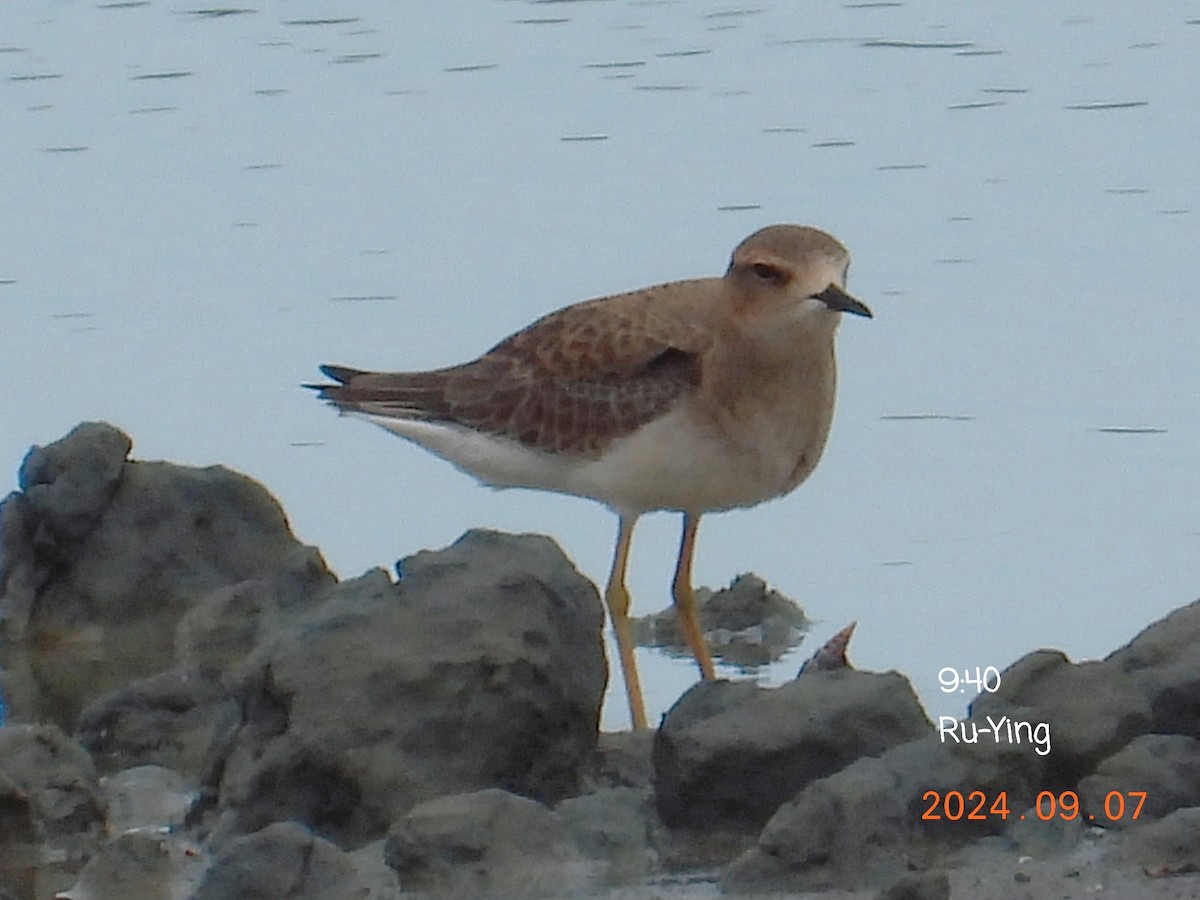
{"x":693,"y":396}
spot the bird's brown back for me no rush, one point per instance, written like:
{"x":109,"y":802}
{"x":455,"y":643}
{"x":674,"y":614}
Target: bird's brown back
{"x":570,"y":383}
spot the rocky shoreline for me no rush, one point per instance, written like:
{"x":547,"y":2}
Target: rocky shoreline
{"x":198,"y":708}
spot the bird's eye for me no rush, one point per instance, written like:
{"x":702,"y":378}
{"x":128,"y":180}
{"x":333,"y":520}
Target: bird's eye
{"x":768,"y":272}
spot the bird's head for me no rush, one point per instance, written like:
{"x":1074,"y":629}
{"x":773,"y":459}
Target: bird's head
{"x":792,"y":274}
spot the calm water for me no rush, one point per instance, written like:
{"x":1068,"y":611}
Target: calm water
{"x":198,"y":208}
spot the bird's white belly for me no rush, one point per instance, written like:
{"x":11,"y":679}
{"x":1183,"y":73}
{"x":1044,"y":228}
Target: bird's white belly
{"x":674,"y":463}
{"x":671,"y":463}
{"x":497,"y":461}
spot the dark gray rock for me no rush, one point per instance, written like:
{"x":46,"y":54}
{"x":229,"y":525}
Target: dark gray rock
{"x":730,"y":753}
{"x":177,"y":719}
{"x":285,"y":861}
{"x":56,"y":775}
{"x":614,"y":828}
{"x":746,"y":624}
{"x":1164,"y":662}
{"x":49,"y":794}
{"x":69,"y":483}
{"x":147,"y":797}
{"x":103,"y":557}
{"x":217,"y":633}
{"x":1093,"y":709}
{"x":623,"y":759}
{"x":852,"y":829}
{"x":21,"y":838}
{"x":1093,"y":868}
{"x":932,"y":885}
{"x":1151,"y":685}
{"x":482,"y":668}
{"x":146,"y":864}
{"x":864,"y":825}
{"x":1166,"y":767}
{"x":485,"y":844}
{"x":1169,"y":846}
{"x":169,"y":613}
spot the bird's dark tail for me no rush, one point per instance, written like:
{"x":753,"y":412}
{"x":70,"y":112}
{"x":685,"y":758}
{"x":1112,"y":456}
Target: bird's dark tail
{"x":340,"y":374}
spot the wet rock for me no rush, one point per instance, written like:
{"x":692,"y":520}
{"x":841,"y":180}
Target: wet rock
{"x":147,"y":864}
{"x":1091,"y":869}
{"x":104,"y":556}
{"x":1032,"y":836}
{"x":146,"y":797}
{"x":1164,"y":662}
{"x":484,"y":844}
{"x":48,"y":793}
{"x":1151,"y":685}
{"x":623,"y":759}
{"x":851,"y":829}
{"x":613,"y":827}
{"x":864,"y":825}
{"x":201,"y":651}
{"x":177,"y":719}
{"x":1094,"y":709}
{"x":1169,"y":846}
{"x":746,"y":624}
{"x":1166,"y":767}
{"x":729,"y":753}
{"x":285,"y":861}
{"x":69,"y":484}
{"x":216,"y":634}
{"x":932,"y":885}
{"x":57,"y":776}
{"x":482,"y":667}
{"x":21,"y":837}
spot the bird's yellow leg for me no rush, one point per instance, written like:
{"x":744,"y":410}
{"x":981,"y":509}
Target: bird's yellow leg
{"x":685,"y":598}
{"x":616,"y":597}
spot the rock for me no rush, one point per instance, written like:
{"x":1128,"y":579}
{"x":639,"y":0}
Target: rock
{"x":148,"y":864}
{"x":1169,"y":846}
{"x":103,"y":557}
{"x":853,"y":829}
{"x":1092,"y":708}
{"x":69,"y":483}
{"x":485,"y":844}
{"x":177,"y":719}
{"x":21,"y":838}
{"x":932,"y":885}
{"x":613,"y":827}
{"x":865,"y":825}
{"x":216,"y":634}
{"x":285,"y":861}
{"x":623,"y":759}
{"x":729,"y":753}
{"x":1165,"y":767}
{"x":57,"y":776}
{"x":1151,"y":685}
{"x":266,"y":732}
{"x":746,"y":624}
{"x":1031,"y":835}
{"x":147,"y":798}
{"x":483,"y":667}
{"x":1164,"y":662}
{"x":48,"y":794}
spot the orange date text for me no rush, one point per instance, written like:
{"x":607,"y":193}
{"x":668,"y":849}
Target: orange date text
{"x":978,"y":806}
